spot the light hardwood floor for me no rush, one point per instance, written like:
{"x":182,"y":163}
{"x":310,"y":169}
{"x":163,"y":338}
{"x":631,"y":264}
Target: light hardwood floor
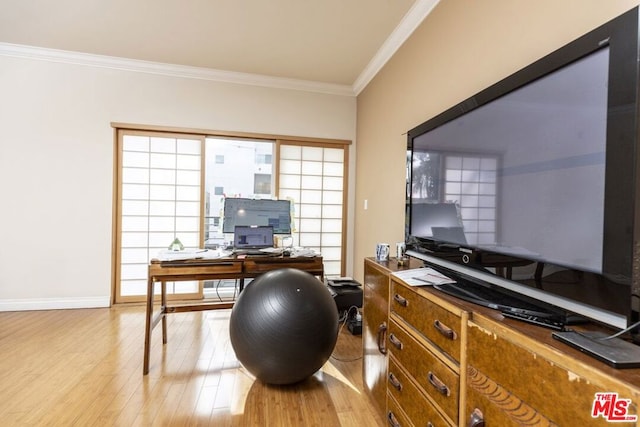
{"x":84,"y":367}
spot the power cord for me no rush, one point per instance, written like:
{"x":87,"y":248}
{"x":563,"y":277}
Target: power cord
{"x":235,"y":290}
{"x":624,"y":331}
{"x":344,"y":319}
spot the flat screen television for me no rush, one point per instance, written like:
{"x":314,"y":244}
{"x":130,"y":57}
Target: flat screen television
{"x":256,"y":212}
{"x":531,"y":186}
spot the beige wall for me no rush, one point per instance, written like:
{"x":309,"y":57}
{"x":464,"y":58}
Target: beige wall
{"x":462,"y":47}
{"x":56,"y":161}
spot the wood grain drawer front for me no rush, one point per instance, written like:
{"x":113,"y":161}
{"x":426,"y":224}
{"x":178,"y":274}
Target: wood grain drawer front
{"x":164,"y":272}
{"x":260,"y":265}
{"x":493,"y":406}
{"x":559,"y":394}
{"x":418,"y":409}
{"x":374,"y":342}
{"x":438,"y":325}
{"x":395,"y":415}
{"x":376,"y":278}
{"x":436,"y":379}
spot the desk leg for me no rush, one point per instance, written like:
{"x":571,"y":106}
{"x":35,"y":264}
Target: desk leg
{"x":163,"y":302}
{"x":148,"y":328}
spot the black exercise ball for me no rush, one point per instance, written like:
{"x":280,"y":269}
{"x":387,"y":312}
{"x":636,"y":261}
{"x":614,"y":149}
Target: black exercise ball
{"x":284,"y":326}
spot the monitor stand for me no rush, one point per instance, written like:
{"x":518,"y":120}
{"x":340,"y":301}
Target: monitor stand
{"x":615,"y":352}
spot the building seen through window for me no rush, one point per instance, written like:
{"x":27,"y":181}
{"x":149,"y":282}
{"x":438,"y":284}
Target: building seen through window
{"x":245,"y":171}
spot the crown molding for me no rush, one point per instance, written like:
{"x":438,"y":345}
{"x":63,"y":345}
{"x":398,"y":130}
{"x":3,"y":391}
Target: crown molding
{"x":418,"y":12}
{"x":414,"y":17}
{"x":171,"y":70}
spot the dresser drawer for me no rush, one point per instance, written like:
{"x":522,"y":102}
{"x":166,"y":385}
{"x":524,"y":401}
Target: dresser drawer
{"x":418,"y":409}
{"x":497,"y":407}
{"x":436,"y":379}
{"x":438,"y":325}
{"x":395,"y":415}
{"x":512,"y":372}
{"x":170,"y":270}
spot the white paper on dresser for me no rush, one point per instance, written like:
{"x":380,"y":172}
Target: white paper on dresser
{"x":423,"y":276}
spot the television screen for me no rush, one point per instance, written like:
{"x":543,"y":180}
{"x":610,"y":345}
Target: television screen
{"x":257,"y":212}
{"x":529,"y":186}
{"x":524,"y":173}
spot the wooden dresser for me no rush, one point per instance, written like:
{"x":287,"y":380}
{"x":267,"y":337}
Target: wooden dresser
{"x":375,"y":323}
{"x":434,"y":360}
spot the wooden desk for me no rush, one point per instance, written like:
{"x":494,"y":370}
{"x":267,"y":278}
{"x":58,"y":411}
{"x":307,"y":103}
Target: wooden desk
{"x":209,"y":269}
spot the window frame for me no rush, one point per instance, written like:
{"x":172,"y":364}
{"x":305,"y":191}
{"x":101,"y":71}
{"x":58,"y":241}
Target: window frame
{"x":174,"y":132}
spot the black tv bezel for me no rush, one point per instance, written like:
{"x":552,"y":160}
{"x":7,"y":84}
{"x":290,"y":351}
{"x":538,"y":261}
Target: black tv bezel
{"x":621,"y":244}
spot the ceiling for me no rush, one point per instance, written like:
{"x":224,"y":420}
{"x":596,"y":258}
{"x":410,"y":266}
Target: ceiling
{"x":338,"y":42}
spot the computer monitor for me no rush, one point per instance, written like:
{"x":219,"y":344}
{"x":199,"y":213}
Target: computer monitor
{"x":257,"y":212}
{"x":257,"y":237}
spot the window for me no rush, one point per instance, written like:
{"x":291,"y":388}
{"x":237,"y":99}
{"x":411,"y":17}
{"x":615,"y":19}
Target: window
{"x":240,"y":175}
{"x":262,"y":183}
{"x":174,"y":184}
{"x":263,"y":158}
{"x":314,"y":179}
{"x":159,"y":201}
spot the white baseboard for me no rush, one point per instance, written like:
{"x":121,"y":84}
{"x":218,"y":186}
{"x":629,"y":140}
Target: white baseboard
{"x":54,"y":303}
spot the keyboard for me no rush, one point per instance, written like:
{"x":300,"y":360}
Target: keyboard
{"x":251,"y":252}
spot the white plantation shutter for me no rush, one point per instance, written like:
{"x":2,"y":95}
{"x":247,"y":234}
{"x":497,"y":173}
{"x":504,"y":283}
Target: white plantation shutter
{"x":160,"y":192}
{"x":313,"y":177}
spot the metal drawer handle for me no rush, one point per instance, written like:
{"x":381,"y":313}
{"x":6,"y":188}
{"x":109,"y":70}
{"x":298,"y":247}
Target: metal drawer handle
{"x":446,"y":331}
{"x":438,"y":384}
{"x":476,"y":419}
{"x":396,"y":342}
{"x":400,"y":300}
{"x":395,"y":382}
{"x":382,"y":335}
{"x":393,"y":421}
